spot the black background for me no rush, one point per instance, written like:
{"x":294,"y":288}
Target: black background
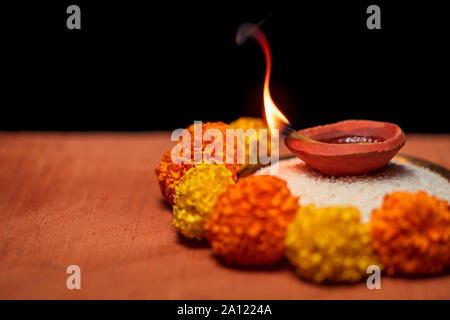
{"x":167,"y":309}
{"x":136,"y":65}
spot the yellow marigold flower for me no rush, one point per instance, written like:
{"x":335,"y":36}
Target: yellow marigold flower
{"x":329,"y":244}
{"x":196,"y":195}
{"x":411,"y":233}
{"x":248,"y":223}
{"x":246,"y":123}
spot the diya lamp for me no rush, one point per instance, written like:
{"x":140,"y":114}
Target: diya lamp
{"x":348,"y":147}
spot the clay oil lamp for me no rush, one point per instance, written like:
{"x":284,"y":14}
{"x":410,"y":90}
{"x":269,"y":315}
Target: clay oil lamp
{"x":348,"y":147}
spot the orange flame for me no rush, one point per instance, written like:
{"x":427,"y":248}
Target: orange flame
{"x":274,"y":117}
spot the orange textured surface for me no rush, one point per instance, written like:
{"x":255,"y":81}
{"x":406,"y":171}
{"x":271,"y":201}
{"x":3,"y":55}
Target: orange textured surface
{"x":93,"y":200}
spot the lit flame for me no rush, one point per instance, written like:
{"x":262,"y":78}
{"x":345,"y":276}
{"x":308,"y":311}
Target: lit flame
{"x":274,"y":117}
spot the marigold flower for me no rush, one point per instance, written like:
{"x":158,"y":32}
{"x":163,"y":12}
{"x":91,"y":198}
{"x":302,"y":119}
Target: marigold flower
{"x":411,"y":233}
{"x":329,"y":244}
{"x":246,"y":123}
{"x":248,"y":223}
{"x":196,"y":195}
{"x":170,"y":174}
{"x":220,"y":153}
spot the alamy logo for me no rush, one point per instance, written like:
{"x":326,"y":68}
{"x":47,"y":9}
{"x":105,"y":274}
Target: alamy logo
{"x":74,"y":280}
{"x":374,"y":20}
{"x":225,"y":149}
{"x":374,"y":281}
{"x":74,"y":20}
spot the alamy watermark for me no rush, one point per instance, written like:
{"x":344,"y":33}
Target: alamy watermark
{"x":228,"y":149}
{"x":74,"y":19}
{"x":374,"y":281}
{"x":74,"y":280}
{"x":374,"y":20}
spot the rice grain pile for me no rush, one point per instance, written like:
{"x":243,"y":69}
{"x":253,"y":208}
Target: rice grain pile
{"x":364,"y":192}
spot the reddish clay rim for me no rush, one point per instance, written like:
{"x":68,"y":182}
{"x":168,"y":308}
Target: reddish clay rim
{"x":392,"y":133}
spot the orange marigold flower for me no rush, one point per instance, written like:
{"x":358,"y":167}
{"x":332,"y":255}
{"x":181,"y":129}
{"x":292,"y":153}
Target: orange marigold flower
{"x":170,"y":174}
{"x":249,"y":221}
{"x":411,"y":233}
{"x":220,"y":151}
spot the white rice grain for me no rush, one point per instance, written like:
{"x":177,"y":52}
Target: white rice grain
{"x":364,"y":192}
